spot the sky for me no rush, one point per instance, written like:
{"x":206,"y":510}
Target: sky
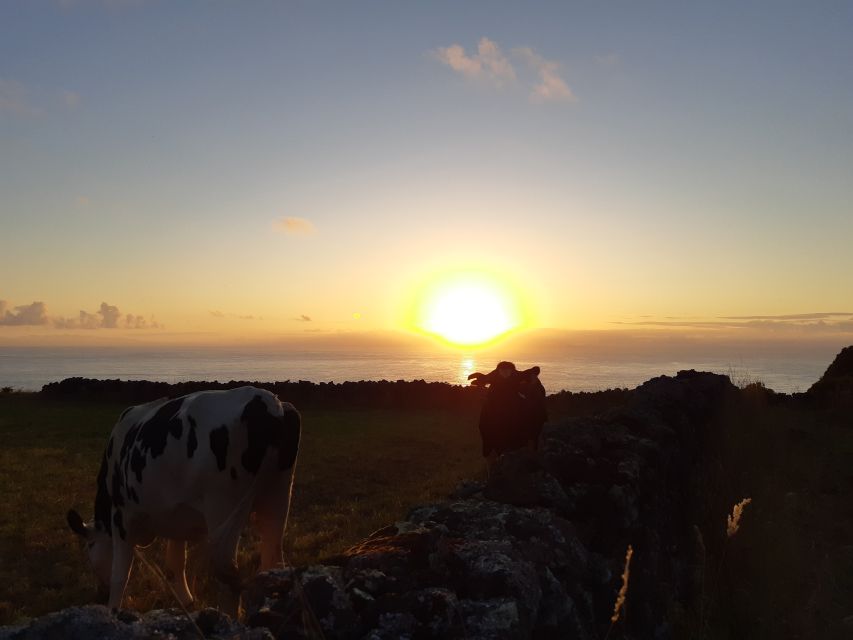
{"x":222,"y":171}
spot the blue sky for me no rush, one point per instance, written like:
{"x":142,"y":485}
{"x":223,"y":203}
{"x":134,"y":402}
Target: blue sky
{"x":695,"y":160}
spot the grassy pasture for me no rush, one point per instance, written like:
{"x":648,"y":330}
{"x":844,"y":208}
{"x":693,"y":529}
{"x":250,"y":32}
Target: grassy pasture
{"x":358,"y":470}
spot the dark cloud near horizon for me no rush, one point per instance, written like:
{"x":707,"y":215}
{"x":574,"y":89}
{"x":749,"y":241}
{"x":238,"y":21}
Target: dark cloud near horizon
{"x":27,"y":314}
{"x":107,"y":316}
{"x":304,"y":318}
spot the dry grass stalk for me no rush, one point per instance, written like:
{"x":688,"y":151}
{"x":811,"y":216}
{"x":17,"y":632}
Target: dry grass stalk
{"x":623,"y":590}
{"x":733,"y":521}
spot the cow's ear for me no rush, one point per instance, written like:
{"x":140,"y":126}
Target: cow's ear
{"x":76,"y":523}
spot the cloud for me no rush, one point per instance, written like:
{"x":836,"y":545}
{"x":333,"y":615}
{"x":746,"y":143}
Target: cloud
{"x":551,"y":86}
{"x":294,"y":226}
{"x":14,"y":99}
{"x":821,"y":322}
{"x":108,"y":316}
{"x":488,"y":63}
{"x":796,"y":316}
{"x":28,"y":314}
{"x":220,"y":314}
{"x":304,"y":318}
{"x":138,"y":322}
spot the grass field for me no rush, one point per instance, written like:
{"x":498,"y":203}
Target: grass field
{"x":358,"y":470}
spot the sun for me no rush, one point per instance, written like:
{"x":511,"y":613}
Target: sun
{"x":468,"y":309}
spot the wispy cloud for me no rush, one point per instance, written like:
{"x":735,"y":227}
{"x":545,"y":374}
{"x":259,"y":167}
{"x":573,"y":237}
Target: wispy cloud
{"x":294,"y":226}
{"x":219,"y":314}
{"x":795,"y":316}
{"x":490,"y":64}
{"x":819,"y":322}
{"x":14,"y":99}
{"x":304,"y":318}
{"x":551,"y":87}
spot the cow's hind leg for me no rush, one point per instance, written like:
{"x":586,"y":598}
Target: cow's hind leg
{"x":176,"y":561}
{"x":271,"y":508}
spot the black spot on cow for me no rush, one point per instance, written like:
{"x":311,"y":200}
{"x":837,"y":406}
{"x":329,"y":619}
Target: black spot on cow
{"x":233,"y":473}
{"x":103,"y":503}
{"x":153,"y":433}
{"x":219,"y":446}
{"x":118,"y":521}
{"x":127,"y":443}
{"x":110,"y":448}
{"x":124,"y":413}
{"x":118,"y":485}
{"x":137,"y":463}
{"x":265,"y":430}
{"x":131,"y":493}
{"x":192,"y":440}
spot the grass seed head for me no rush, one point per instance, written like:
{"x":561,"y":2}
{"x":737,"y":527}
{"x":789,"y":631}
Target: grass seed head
{"x":733,"y":521}
{"x":623,"y":590}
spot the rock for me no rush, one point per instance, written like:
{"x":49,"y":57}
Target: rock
{"x":835,"y":387}
{"x":96,"y":621}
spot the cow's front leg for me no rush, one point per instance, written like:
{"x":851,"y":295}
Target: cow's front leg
{"x":225,"y":524}
{"x":122,"y":563}
{"x":176,"y":562}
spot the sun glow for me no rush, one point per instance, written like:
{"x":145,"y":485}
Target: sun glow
{"x":468,"y":309}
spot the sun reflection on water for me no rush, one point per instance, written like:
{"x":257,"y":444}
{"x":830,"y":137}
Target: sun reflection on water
{"x":466,"y":367}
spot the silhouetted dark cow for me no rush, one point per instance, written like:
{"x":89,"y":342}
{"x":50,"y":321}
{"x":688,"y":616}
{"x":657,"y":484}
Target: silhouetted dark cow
{"x":514,"y":410}
{"x":191,"y":467}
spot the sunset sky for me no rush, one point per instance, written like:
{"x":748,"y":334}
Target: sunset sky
{"x":224,"y":170}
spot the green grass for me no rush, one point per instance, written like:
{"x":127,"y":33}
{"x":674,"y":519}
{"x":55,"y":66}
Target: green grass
{"x":358,"y":470}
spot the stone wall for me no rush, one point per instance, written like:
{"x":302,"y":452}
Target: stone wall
{"x":538,"y":551}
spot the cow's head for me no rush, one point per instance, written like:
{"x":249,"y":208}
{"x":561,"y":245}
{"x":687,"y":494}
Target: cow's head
{"x":503,"y":371}
{"x":99,"y":549}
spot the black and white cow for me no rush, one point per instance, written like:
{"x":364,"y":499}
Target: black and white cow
{"x":190,"y":467}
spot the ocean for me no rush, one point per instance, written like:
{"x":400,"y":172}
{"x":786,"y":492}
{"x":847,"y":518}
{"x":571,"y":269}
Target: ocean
{"x":29,"y":368}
